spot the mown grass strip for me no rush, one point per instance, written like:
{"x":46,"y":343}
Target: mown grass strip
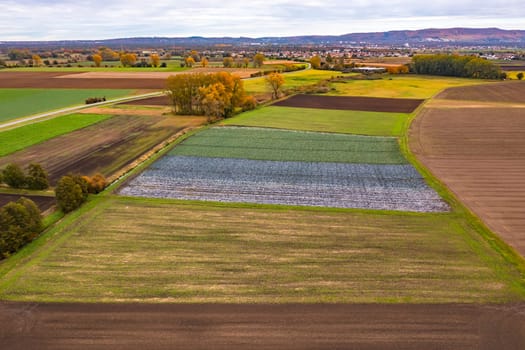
{"x":325,"y":120}
{"x":13,"y":140}
{"x":283,"y":145}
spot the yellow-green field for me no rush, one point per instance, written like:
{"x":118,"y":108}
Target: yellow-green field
{"x":126,"y":250}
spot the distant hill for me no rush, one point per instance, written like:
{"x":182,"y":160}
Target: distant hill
{"x":424,"y":37}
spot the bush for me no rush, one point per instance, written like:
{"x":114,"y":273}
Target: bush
{"x":96,"y":183}
{"x":13,"y":176}
{"x":20,"y":223}
{"x":71,"y":192}
{"x":249,"y":103}
{"x":519,"y":75}
{"x":37,"y":178}
{"x":91,"y":100}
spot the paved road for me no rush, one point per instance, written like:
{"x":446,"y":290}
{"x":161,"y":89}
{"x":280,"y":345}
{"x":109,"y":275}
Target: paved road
{"x":76,"y":108}
{"x":172,"y":326}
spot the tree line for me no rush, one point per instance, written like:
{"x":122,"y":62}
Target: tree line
{"x":212,"y":94}
{"x":456,"y":66}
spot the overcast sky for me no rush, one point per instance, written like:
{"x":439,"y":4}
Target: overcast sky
{"x":104,"y":19}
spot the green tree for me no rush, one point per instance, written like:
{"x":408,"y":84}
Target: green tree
{"x":275,"y":81}
{"x":70,"y":192}
{"x":20,"y":223}
{"x":315,"y":62}
{"x":519,"y":75}
{"x":258,"y":60}
{"x":14,"y":176}
{"x":37,"y":178}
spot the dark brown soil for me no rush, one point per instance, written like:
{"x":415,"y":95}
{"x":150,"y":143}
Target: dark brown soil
{"x":510,"y":91}
{"x":161,"y":326}
{"x":479,"y":153}
{"x":152,"y":101}
{"x":355,"y":103}
{"x":49,"y":80}
{"x":512,"y":67}
{"x":43,"y":202}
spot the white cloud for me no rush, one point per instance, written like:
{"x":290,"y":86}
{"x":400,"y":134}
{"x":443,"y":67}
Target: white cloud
{"x":97,"y":19}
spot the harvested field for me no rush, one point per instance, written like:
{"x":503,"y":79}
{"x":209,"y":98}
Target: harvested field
{"x":61,"y":326}
{"x":43,"y":202}
{"x":130,"y":250}
{"x":49,"y":80}
{"x":105,"y":147}
{"x":356,"y":103}
{"x":391,"y":187}
{"x":479,"y":153}
{"x":512,"y":92}
{"x":100,"y":80}
{"x":286,"y":145}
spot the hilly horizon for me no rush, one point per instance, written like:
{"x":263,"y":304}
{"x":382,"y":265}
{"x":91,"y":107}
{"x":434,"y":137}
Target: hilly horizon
{"x":422,"y":37}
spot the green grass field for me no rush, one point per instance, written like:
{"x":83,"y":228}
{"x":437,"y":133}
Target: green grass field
{"x":293,"y":79}
{"x":283,"y":145}
{"x":19,"y":138}
{"x":399,"y":86}
{"x":127,"y":250}
{"x":394,"y":86}
{"x":309,"y":119}
{"x":15,"y":103}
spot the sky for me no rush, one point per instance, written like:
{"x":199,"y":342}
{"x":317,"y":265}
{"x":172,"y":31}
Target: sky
{"x":106,"y":19}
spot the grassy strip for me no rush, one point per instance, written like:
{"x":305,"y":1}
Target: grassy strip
{"x":13,"y":140}
{"x":129,"y":250}
{"x":16,"y":103}
{"x":282,"y":145}
{"x":309,"y":119}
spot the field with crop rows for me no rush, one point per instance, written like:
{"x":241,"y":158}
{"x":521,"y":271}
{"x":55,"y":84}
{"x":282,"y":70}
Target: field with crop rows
{"x":284,"y":145}
{"x":15,"y":103}
{"x":324,"y":120}
{"x":255,"y":165}
{"x":16,"y":139}
{"x":104,"y":147}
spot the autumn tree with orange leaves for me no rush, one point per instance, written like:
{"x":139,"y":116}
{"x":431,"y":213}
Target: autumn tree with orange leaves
{"x":214,"y":95}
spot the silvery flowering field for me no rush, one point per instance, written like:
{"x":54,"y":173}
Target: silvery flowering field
{"x":327,"y":179}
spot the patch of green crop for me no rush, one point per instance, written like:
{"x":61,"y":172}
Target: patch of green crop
{"x":13,"y":140}
{"x":325,"y":120}
{"x":16,"y":103}
{"x":284,"y":145}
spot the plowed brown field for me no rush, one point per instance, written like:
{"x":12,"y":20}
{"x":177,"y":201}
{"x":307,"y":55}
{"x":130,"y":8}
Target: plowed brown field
{"x":43,"y":202}
{"x":355,"y":103}
{"x":220,"y":326}
{"x":105,"y":147}
{"x":511,"y":91}
{"x":479,"y":153}
{"x":100,"y":80}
